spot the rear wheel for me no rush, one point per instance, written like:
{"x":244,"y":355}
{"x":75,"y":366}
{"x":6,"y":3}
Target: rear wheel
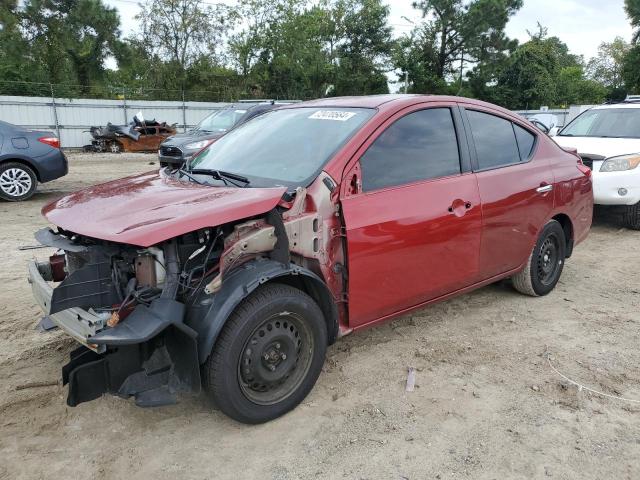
{"x":268,"y":356}
{"x":631,"y":216}
{"x":115,"y":147}
{"x":17,"y":182}
{"x":544,"y":266}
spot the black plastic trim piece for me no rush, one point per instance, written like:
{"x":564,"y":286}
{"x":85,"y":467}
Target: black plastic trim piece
{"x":48,"y":237}
{"x":142,"y":324}
{"x":211,"y":312}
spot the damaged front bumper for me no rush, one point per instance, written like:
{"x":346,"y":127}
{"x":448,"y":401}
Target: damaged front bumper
{"x":76,"y":322}
{"x":151,"y":355}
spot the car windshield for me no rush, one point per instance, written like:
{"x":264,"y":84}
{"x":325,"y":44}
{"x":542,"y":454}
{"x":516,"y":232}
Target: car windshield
{"x":605,"y":123}
{"x":222,"y":120}
{"x":283,"y":147}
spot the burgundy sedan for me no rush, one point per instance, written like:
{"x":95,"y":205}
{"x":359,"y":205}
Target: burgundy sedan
{"x":305,"y":224}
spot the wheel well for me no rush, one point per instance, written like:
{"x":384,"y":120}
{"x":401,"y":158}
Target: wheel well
{"x":23,"y":162}
{"x":320,"y":295}
{"x":567,"y":226}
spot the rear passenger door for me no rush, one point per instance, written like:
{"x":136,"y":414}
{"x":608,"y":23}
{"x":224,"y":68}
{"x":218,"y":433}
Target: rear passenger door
{"x":515,"y":189}
{"x":412,"y":215}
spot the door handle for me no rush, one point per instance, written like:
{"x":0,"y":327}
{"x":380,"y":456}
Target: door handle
{"x":544,"y":188}
{"x":457,"y":207}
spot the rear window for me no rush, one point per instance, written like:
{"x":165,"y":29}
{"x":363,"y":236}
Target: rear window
{"x":495,"y":140}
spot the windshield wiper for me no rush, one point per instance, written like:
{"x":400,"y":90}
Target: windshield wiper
{"x":182,"y":171}
{"x":226,"y":177}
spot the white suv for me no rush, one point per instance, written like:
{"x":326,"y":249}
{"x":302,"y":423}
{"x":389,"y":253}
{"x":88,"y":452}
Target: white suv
{"x":607,"y":138}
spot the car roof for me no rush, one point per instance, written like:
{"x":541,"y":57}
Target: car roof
{"x":624,"y":104}
{"x":8,"y":126}
{"x":398,"y":101}
{"x":367,"y":101}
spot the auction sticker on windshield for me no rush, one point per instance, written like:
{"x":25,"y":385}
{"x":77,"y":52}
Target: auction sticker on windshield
{"x":336,"y":115}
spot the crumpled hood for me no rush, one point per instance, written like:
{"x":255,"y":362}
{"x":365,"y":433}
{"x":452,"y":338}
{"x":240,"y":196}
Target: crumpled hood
{"x":147,"y":209}
{"x":605,"y":147}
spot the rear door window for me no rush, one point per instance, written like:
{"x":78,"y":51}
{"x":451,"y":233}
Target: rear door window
{"x":419,"y":146}
{"x":526,"y":141}
{"x":495,"y":140}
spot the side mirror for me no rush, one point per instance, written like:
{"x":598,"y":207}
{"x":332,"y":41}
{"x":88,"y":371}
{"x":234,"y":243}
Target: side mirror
{"x":540,"y":126}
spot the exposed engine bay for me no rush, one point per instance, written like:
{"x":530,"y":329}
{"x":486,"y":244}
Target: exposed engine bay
{"x":148,"y":317}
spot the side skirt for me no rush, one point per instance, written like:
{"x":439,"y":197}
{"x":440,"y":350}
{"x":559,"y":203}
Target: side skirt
{"x":442,"y":298}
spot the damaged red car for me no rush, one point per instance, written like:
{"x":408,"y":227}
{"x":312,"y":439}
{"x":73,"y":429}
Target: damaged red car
{"x":310,"y":222}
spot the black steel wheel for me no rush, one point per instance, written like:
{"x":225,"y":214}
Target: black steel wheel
{"x":545,"y":264}
{"x":548,"y":261}
{"x":275,"y":359}
{"x":268,"y":356}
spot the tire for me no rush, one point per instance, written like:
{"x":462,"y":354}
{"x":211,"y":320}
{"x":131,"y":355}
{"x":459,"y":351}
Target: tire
{"x":631,"y":216}
{"x":268,"y":355}
{"x":17,"y":182}
{"x":545,"y":264}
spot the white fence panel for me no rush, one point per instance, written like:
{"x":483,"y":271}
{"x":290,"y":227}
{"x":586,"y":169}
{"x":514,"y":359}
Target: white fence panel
{"x":71,"y":118}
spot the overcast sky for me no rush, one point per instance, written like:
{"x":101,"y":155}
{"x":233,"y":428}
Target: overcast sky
{"x":581,"y":24}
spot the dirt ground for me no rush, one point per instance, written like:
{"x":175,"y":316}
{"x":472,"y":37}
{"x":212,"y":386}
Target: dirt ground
{"x":487,"y":404}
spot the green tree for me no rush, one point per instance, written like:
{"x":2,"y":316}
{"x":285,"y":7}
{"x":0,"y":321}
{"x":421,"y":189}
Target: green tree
{"x":575,"y":89}
{"x":456,"y":35}
{"x":415,"y":55}
{"x":530,"y":78}
{"x":543,"y":71}
{"x":631,"y":70}
{"x":462,"y":28}
{"x":13,"y":49}
{"x":303,"y":49}
{"x":607,"y":66}
{"x":631,"y":63}
{"x":71,"y":36}
{"x":176,"y":36}
{"x":632,"y":7}
{"x":365,"y":47}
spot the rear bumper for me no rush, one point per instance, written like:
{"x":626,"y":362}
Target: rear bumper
{"x":51,"y":166}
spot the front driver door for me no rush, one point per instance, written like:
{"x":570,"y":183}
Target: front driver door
{"x":412,"y":213}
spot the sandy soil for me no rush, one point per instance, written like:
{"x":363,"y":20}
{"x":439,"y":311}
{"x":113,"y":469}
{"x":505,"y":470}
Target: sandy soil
{"x":487,"y":405}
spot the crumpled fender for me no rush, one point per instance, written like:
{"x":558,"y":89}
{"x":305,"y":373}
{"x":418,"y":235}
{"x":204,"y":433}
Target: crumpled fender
{"x":210,"y":312}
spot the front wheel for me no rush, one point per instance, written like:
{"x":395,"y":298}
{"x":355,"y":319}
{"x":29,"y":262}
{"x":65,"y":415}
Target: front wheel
{"x":544,"y":266}
{"x":268,"y":356}
{"x":631,"y":217}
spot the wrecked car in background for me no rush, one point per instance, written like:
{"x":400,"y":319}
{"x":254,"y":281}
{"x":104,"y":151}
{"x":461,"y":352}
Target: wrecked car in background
{"x":309,"y":222}
{"x":138,"y":136}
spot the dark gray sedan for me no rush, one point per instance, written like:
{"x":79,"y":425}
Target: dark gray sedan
{"x":26,"y":158}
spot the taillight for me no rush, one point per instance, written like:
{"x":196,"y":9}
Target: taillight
{"x":584,"y":169}
{"x":51,"y":141}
